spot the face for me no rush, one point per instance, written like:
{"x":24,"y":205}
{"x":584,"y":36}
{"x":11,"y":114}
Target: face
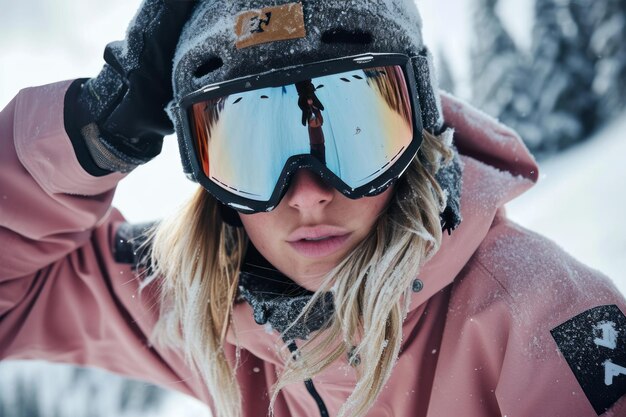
{"x":313,"y":228}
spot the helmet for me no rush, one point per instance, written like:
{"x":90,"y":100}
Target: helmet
{"x":228,"y":39}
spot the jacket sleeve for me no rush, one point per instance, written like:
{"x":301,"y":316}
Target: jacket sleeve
{"x":63,"y":297}
{"x":566,"y":347}
{"x":48,"y":204}
{"x":531,"y":332}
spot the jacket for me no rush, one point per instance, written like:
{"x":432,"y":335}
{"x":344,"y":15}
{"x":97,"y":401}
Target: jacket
{"x":502,"y":322}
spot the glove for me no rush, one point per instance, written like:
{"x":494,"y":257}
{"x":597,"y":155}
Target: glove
{"x":306,"y":92}
{"x":117,"y":120}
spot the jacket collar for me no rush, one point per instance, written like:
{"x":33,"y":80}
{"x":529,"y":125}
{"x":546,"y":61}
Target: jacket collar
{"x":497,"y":169}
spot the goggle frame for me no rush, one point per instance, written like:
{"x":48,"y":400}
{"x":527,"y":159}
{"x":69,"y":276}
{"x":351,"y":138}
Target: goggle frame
{"x":292,"y":75}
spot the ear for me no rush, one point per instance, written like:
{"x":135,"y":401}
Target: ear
{"x":176,"y":118}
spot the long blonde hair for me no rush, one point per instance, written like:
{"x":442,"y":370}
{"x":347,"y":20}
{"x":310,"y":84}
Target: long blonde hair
{"x":197,"y":258}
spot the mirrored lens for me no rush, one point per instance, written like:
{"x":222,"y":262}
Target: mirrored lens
{"x":357,"y":123}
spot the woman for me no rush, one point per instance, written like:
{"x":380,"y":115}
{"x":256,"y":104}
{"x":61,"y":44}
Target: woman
{"x":293,"y":283}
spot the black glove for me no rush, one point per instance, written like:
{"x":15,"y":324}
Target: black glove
{"x":117,"y":120}
{"x":306,"y":92}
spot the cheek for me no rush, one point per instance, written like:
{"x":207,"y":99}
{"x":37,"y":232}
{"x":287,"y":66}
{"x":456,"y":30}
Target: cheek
{"x":257,"y":227}
{"x":266,"y":232}
{"x":372,"y":207}
{"x":383,"y":200}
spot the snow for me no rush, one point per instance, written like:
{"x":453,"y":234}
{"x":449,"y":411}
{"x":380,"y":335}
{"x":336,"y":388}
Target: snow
{"x":579,"y":201}
{"x":29,"y":382}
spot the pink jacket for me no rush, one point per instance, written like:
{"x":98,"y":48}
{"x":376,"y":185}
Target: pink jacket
{"x":495,"y":330}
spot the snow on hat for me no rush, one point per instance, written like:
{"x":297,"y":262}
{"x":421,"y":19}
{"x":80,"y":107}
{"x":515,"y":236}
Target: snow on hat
{"x":226,"y":39}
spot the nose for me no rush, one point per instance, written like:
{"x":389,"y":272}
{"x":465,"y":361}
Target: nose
{"x":308,"y":191}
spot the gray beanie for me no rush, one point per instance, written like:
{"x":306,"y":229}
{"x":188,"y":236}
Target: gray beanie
{"x":208,"y":49}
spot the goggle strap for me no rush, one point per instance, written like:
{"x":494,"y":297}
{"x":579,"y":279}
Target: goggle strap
{"x":432,"y":119}
{"x":229,"y":215}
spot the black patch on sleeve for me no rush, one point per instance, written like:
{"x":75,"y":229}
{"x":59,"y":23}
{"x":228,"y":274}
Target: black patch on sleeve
{"x":594,"y":346}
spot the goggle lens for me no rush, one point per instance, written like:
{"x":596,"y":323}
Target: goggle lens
{"x":356,"y":123}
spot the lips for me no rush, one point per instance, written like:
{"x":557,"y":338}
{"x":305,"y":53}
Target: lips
{"x":319,"y":241}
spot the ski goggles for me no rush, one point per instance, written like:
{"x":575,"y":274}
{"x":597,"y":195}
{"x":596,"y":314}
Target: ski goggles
{"x":353,"y":121}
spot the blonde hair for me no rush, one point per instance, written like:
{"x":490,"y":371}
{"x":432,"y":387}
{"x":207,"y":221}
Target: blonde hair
{"x":197,"y":258}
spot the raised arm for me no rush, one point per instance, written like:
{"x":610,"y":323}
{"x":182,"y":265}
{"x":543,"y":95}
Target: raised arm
{"x":63,"y":148}
{"x":48,"y":203}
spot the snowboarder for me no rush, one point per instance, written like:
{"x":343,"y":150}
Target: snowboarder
{"x":396,"y":286}
{"x":312,"y":118}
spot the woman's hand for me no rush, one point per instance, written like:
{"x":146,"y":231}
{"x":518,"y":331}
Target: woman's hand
{"x":120,"y":113}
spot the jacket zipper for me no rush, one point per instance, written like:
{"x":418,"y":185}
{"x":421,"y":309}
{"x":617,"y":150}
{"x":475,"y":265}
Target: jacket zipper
{"x":293,"y":348}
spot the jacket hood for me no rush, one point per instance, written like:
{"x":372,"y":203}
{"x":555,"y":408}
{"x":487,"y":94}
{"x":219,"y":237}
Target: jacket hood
{"x":497,"y":167}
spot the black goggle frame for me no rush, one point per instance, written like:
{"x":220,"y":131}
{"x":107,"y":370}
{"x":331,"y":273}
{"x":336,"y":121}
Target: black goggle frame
{"x":292,"y":75}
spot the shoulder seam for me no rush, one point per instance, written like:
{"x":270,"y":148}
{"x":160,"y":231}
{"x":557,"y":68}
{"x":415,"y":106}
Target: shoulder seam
{"x":487,"y":271}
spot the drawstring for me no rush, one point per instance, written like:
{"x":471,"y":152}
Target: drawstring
{"x":293,"y":348}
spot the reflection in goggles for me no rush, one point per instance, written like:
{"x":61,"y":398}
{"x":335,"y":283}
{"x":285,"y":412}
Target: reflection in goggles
{"x":356,"y":123}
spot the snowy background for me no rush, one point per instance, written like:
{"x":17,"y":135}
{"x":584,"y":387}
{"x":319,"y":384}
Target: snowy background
{"x":579,"y":201}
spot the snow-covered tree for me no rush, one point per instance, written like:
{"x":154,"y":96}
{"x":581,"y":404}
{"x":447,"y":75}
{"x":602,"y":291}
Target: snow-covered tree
{"x":500,"y":73}
{"x":607,"y":44}
{"x":38,"y":389}
{"x":571,"y":82}
{"x":563,"y":69}
{"x":493,"y":59}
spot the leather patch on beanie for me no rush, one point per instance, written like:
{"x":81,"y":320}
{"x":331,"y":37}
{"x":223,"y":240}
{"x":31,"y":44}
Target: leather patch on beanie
{"x":594,"y":345}
{"x":271,"y":24}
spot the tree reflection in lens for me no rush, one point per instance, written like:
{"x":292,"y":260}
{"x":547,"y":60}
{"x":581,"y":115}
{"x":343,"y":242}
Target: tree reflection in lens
{"x":312,"y":117}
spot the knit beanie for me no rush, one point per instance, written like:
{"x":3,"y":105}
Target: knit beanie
{"x":227,"y":39}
